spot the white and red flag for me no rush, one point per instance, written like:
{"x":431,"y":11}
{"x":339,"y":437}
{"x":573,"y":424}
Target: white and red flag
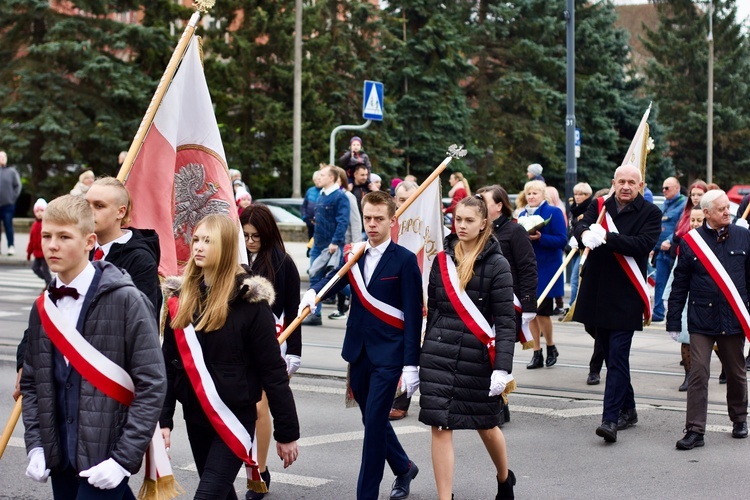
{"x":180,"y":173}
{"x":420,"y":229}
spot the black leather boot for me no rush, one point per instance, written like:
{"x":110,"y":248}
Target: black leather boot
{"x":537,"y":361}
{"x":551,"y":355}
{"x":684,"y":385}
{"x":505,"y":490}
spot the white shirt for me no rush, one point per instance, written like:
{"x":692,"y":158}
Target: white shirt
{"x":330,"y":189}
{"x":124,"y":238}
{"x":70,"y":307}
{"x":372,"y":258}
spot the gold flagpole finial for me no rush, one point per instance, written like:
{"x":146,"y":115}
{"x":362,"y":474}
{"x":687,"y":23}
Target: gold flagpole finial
{"x":203,"y":5}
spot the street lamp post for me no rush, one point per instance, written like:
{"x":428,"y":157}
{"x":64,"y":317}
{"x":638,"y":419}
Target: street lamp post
{"x":710,"y":128}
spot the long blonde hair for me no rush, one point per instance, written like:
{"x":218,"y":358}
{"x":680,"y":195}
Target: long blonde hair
{"x":463,"y":180}
{"x":212,"y":313}
{"x":465,"y":268}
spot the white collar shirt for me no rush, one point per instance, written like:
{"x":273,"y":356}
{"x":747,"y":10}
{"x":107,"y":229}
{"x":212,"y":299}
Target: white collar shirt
{"x":330,"y":189}
{"x":124,"y":238}
{"x":372,"y":258}
{"x":69,"y":307}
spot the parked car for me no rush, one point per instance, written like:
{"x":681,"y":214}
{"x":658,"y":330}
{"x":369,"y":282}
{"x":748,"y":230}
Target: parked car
{"x":282,"y":216}
{"x":292,"y":205}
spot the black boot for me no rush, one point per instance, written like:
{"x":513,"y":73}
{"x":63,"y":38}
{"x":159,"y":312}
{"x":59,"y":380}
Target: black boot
{"x":506,"y":412}
{"x":505,"y":490}
{"x":551,"y":355}
{"x":537,"y":361}
{"x":684,"y":385}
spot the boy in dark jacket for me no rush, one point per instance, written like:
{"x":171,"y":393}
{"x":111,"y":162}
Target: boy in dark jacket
{"x":135,"y":250}
{"x":93,"y":380}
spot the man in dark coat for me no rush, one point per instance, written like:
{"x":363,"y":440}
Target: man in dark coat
{"x":711,"y":316}
{"x":608,"y":301}
{"x":379,"y":348}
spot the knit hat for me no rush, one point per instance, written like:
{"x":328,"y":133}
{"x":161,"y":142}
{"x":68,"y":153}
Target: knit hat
{"x":40,"y":203}
{"x":395,"y":182}
{"x":375,"y":178}
{"x":535,"y":169}
{"x":242,"y":194}
{"x":355,"y":138}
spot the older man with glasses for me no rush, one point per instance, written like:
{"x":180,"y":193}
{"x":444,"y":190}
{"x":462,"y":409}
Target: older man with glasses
{"x":674,"y":204}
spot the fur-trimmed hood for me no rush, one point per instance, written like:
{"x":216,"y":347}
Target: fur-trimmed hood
{"x":251,"y":288}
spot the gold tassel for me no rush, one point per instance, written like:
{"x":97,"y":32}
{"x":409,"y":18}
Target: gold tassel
{"x":527,"y":345}
{"x":510,"y":387}
{"x":165,"y":488}
{"x":257,"y":486}
{"x":569,"y":315}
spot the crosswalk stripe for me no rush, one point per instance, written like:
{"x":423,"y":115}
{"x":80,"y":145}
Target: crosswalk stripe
{"x":278,"y":477}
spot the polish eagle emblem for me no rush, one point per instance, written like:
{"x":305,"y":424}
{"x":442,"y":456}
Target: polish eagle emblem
{"x":193,"y":200}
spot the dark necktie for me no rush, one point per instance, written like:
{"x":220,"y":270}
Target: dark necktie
{"x":99,"y":254}
{"x":56,"y":293}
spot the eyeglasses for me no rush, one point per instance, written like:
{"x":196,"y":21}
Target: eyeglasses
{"x":255,"y":237}
{"x":666,"y":188}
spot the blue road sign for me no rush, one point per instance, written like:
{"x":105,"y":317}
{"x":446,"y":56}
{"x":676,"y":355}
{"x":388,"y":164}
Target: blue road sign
{"x":578,"y":137}
{"x":372,"y":104}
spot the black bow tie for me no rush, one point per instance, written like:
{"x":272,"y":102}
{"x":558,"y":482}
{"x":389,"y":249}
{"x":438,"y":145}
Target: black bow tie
{"x":56,"y":293}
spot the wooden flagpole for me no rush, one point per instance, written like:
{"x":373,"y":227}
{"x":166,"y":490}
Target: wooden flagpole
{"x":557,"y":274}
{"x":14,"y":414}
{"x":161,"y":90}
{"x":453,"y":152}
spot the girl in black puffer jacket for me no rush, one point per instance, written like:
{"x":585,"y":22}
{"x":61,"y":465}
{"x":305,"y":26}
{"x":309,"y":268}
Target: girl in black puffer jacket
{"x":460,"y":379}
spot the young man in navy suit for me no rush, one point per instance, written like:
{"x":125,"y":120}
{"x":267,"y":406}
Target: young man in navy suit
{"x":382,"y":342}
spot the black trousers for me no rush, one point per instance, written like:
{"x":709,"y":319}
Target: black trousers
{"x":217,"y":465}
{"x":66,"y":485}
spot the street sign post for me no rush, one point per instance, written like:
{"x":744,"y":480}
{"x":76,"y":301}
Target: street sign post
{"x":372,"y":101}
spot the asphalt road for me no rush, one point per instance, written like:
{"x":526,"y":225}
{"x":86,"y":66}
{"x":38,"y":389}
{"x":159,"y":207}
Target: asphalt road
{"x":551,"y":442}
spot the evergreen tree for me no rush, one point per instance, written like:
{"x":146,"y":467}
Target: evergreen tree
{"x":250,"y":72}
{"x":678,"y":79}
{"x":519,"y":92}
{"x":428,"y":48}
{"x":73,"y":88}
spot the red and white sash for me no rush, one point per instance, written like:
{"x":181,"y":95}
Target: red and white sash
{"x":223,"y":420}
{"x":712,"y":264}
{"x":524,"y":330}
{"x":101,"y":372}
{"x":630,"y":267}
{"x":280,"y":326}
{"x":465,"y":307}
{"x":385,"y":312}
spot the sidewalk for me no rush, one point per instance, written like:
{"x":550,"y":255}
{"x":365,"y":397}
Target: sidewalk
{"x":20,"y":244}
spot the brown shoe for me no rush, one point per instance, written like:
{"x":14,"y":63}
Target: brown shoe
{"x":397,"y":414}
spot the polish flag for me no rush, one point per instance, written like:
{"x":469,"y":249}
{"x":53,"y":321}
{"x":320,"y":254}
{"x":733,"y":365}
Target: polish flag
{"x":180,"y":174}
{"x":420,"y":229}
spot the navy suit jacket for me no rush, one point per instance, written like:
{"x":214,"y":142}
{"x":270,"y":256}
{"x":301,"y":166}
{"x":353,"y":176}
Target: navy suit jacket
{"x":396,"y":281}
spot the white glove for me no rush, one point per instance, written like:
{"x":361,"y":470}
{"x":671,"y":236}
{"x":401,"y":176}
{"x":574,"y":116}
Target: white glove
{"x":674,"y":335}
{"x":292,"y":364}
{"x":573,"y":242}
{"x":307,"y":300}
{"x":599,"y":229}
{"x":742,"y":223}
{"x":527,"y":317}
{"x":591,"y":239}
{"x":409,"y":380}
{"x":105,"y":475}
{"x":37,"y":469}
{"x":498,"y":381}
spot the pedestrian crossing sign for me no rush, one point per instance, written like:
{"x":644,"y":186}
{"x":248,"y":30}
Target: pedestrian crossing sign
{"x":372,"y":105}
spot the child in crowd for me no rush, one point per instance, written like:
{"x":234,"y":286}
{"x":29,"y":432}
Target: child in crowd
{"x":39,"y":266}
